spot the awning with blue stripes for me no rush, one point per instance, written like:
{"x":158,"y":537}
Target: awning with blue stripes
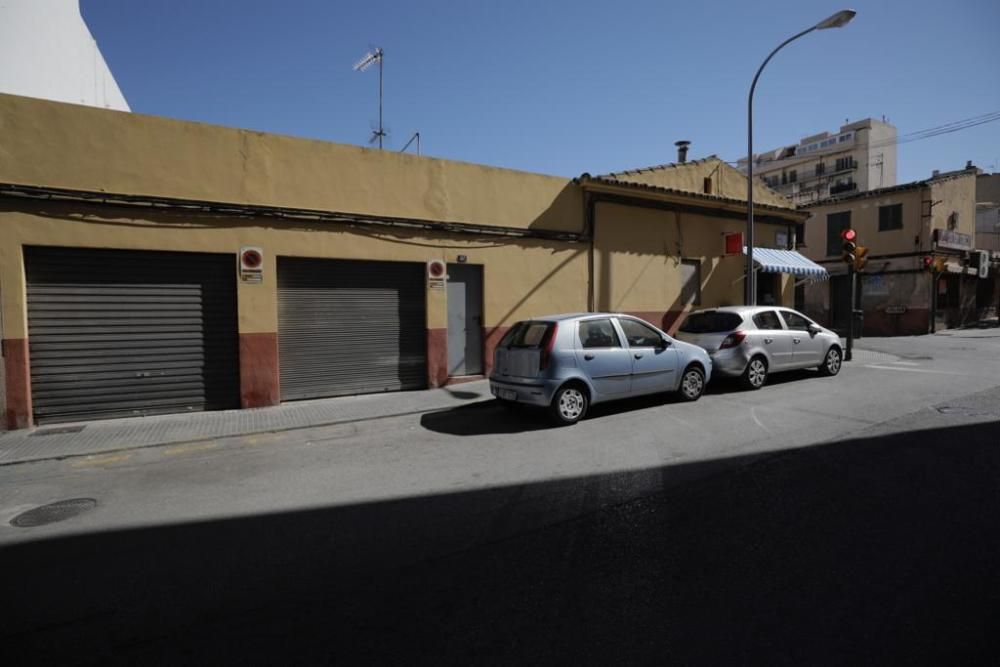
{"x":771,"y":260}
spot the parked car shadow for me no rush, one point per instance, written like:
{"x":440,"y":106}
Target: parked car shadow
{"x":728,"y":385}
{"x":463,"y":394}
{"x":491,"y":417}
{"x":483,"y":418}
{"x":878,"y":550}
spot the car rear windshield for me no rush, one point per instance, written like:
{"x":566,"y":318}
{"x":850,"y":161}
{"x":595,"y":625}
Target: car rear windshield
{"x":526,"y":334}
{"x":711,"y":322}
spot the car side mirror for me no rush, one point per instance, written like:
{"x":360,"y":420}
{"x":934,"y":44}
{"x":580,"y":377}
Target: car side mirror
{"x":664,"y":344}
{"x":814,"y":329}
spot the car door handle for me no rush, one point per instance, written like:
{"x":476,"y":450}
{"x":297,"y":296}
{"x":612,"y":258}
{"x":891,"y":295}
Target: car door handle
{"x":768,"y":341}
{"x":588,"y":357}
{"x":796,"y":341}
{"x":638,"y":356}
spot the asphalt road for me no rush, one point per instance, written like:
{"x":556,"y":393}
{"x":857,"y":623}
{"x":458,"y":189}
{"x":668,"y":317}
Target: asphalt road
{"x":850,"y":519}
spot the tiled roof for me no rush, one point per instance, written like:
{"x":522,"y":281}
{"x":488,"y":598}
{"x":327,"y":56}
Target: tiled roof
{"x":659,"y":167}
{"x":880,"y":192}
{"x":585,"y":178}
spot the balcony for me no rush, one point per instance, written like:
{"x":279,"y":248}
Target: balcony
{"x":840,"y":188}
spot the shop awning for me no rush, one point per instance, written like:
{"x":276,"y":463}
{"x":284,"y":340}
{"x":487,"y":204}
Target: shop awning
{"x":770,"y":260}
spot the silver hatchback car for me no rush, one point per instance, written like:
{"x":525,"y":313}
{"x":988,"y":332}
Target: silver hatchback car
{"x":569,"y":362}
{"x":750,"y":342}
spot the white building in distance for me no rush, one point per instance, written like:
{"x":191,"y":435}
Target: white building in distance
{"x":48,"y":52}
{"x":861,"y":156}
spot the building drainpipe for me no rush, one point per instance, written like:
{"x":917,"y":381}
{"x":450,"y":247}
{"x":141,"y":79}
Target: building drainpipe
{"x":590,"y":224}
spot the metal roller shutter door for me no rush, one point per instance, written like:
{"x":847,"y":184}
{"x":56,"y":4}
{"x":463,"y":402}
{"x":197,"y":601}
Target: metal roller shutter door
{"x":115,"y":333}
{"x":350,"y":327}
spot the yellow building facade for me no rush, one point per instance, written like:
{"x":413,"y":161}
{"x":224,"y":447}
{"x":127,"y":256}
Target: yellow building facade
{"x":129,"y":285}
{"x":901,"y":227}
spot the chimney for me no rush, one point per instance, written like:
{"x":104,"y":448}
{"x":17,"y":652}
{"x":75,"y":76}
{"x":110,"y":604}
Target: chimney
{"x":969,"y":165}
{"x":935,"y":173}
{"x":682,"y":150}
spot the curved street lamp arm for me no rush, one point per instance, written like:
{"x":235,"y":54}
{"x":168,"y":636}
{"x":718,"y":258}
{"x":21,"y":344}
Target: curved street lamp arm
{"x":768,"y":59}
{"x":750,"y":280}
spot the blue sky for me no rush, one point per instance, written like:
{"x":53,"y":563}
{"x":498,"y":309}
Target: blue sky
{"x":564,"y":87}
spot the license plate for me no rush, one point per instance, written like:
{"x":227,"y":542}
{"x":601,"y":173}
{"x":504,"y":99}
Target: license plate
{"x":508,"y":394}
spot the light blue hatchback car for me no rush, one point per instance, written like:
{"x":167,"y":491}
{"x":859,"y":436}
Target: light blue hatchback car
{"x":569,"y":362}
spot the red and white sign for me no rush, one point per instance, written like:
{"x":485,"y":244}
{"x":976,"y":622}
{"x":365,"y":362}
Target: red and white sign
{"x":251,"y":264}
{"x":734,"y":243}
{"x":436,"y":268}
{"x":437,"y":272}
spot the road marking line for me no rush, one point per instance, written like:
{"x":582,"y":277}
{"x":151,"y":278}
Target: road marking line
{"x":912,"y":370}
{"x":101,"y":460}
{"x":187,"y":449}
{"x":906,"y":363}
{"x":753,"y":414}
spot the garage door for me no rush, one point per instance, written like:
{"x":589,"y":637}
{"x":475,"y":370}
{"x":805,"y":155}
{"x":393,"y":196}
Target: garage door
{"x":350,"y":327}
{"x":116,"y":333}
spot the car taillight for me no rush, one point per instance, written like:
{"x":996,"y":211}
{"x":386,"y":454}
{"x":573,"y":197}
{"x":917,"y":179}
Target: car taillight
{"x":732,"y":340}
{"x":550,"y":342}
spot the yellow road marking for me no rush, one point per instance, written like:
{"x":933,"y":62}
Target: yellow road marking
{"x":193,"y":447}
{"x":106,"y":459}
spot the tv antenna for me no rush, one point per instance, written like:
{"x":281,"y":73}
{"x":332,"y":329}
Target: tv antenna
{"x":416,"y":136}
{"x":376,"y":55}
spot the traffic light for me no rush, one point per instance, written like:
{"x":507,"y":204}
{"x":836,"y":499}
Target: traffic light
{"x":860,"y":257}
{"x":934,"y":264}
{"x":850,"y":246}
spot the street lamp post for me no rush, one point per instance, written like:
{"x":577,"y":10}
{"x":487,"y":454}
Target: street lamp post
{"x":840,"y":19}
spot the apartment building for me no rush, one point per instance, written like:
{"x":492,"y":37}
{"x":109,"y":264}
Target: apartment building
{"x":859,"y":157}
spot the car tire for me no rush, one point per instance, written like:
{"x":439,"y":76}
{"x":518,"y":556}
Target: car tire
{"x":832,"y":362}
{"x":569,"y":405}
{"x":692,"y":384}
{"x":755,"y":374}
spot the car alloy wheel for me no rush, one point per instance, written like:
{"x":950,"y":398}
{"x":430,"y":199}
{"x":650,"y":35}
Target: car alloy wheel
{"x":832,"y":362}
{"x":756,"y":373}
{"x":569,"y":405}
{"x":692,"y":384}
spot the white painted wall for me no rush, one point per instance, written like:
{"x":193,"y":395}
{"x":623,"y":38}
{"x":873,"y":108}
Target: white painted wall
{"x":47,"y":51}
{"x":881,"y":133}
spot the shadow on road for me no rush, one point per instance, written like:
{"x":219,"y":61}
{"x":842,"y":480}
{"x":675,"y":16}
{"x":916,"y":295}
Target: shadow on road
{"x":490,"y":417}
{"x":727,"y":385}
{"x":878,"y":550}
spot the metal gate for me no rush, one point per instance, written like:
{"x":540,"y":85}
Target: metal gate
{"x":115,"y":333}
{"x":350,"y":327}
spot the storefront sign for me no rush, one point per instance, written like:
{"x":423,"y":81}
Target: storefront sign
{"x":734,"y":244}
{"x":895,"y":310}
{"x":945,"y":238}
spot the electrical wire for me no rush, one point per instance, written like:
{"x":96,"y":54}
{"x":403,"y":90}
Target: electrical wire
{"x":928,"y":133}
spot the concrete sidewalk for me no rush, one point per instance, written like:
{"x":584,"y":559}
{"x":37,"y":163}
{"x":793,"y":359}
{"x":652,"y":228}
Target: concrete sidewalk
{"x":96,"y":437}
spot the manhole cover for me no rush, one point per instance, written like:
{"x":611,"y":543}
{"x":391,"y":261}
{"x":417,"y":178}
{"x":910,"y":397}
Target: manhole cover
{"x":53,"y":512}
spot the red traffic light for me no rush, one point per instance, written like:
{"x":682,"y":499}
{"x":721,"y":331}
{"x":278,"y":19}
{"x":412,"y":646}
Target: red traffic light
{"x":848,"y":234}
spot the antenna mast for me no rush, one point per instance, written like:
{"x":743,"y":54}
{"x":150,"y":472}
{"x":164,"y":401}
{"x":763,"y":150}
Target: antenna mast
{"x":416,"y":136}
{"x":373,"y":56}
